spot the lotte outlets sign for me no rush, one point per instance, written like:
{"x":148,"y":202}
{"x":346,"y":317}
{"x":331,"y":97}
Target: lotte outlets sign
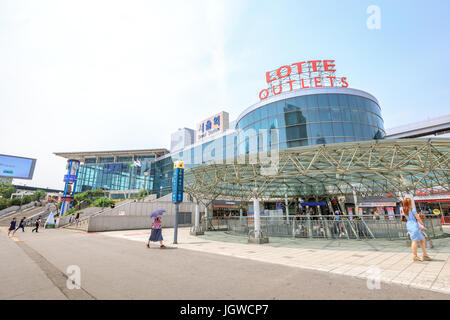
{"x":302,"y":75}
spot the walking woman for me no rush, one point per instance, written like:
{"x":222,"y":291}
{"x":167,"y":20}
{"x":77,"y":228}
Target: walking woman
{"x":413,"y":224}
{"x":156,"y":234}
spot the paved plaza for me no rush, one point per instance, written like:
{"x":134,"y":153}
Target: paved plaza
{"x":116,"y":265}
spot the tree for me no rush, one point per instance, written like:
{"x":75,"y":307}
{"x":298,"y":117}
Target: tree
{"x":39,"y":195}
{"x":6,"y":190}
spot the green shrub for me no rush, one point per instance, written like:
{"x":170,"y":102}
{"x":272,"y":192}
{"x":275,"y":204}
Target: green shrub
{"x":103,"y":202}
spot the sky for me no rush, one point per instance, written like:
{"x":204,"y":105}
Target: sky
{"x":111,"y":75}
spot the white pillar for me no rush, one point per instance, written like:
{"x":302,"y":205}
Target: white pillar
{"x":197,"y":218}
{"x":286,"y":202}
{"x":355,"y":199}
{"x":241,"y":214}
{"x":256,"y":218}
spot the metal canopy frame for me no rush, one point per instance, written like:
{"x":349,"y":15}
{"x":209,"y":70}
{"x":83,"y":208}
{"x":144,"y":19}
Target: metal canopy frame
{"x":373,"y":167}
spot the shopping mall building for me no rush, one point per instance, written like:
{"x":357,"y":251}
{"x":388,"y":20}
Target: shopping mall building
{"x":305,"y":107}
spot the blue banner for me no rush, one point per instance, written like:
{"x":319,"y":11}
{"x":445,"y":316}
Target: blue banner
{"x":177,"y":185}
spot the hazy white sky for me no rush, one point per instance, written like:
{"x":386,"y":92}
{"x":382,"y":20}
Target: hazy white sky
{"x":109,"y":75}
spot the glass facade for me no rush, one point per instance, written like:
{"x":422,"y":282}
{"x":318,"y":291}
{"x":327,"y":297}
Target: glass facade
{"x":314,"y":119}
{"x":304,"y":120}
{"x":154,"y":176}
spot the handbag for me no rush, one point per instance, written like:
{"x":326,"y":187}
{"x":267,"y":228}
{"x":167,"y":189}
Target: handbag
{"x":403,"y":218}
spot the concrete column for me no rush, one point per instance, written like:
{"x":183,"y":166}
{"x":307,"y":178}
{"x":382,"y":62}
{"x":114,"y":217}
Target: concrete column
{"x":286,"y":202}
{"x":241,"y":214}
{"x":355,"y":200}
{"x":256,"y":218}
{"x":197,"y":230}
{"x":197,"y":217}
{"x":259,"y":238}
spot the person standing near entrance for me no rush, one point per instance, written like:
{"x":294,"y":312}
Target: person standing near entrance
{"x":414,"y":223}
{"x":12,"y":226}
{"x":21,"y":225}
{"x":37,"y":224}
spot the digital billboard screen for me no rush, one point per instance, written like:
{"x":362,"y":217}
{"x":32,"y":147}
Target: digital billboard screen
{"x":16,"y":167}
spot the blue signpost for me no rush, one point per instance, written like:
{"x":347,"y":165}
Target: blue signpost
{"x":177,"y":192}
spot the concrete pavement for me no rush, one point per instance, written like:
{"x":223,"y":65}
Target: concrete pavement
{"x":113,"y":267}
{"x":360,"y":259}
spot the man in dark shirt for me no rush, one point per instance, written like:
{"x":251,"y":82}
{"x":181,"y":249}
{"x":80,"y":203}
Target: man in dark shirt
{"x":21,"y":225}
{"x":38,"y":222}
{"x":12,"y":226}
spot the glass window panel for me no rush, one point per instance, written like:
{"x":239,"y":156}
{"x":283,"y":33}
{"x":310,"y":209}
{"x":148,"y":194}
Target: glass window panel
{"x":339,"y":139}
{"x":257,"y":114}
{"x":264,"y":111}
{"x":343,"y":100}
{"x":333,"y":99}
{"x":265,"y":124}
{"x":281,"y":121}
{"x":290,"y":106}
{"x":356,"y":115}
{"x":314,"y":130}
{"x":303,"y":131}
{"x":273,"y":123}
{"x":313,"y":115}
{"x":324,"y":114}
{"x":352,"y":101}
{"x":293,"y":144}
{"x":323,"y":100}
{"x":364,"y":117}
{"x":301,"y":102}
{"x":282,"y":134}
{"x":348,"y":129}
{"x":271,"y":109}
{"x":311,"y":101}
{"x":338,"y":129}
{"x":292,"y":133}
{"x":336,"y":114}
{"x":290,"y":118}
{"x":304,"y":142}
{"x":327,"y":129}
{"x":346,"y":114}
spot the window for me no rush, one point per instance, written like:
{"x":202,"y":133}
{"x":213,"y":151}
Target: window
{"x":327,"y":129}
{"x":324,"y":114}
{"x":106,"y":160}
{"x":343,"y":100}
{"x":292,"y":133}
{"x":323,"y":100}
{"x":333,"y":98}
{"x":338,"y":129}
{"x":348,"y":129}
{"x":336,"y":114}
{"x":311,"y":101}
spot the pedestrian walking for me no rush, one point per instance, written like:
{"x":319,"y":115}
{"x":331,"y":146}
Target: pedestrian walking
{"x":414,"y":224}
{"x":12,"y":226}
{"x":77,"y":217}
{"x":156,"y":234}
{"x":21,"y":225}
{"x":37,"y":224}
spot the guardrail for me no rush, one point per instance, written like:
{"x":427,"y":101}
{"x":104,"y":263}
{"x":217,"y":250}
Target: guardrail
{"x":325,"y":227}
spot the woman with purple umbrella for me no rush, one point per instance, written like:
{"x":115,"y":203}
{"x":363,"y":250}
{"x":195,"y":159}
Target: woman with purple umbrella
{"x":156,"y":234}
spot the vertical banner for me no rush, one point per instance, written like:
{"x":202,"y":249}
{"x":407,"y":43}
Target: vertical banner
{"x":177,"y":182}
